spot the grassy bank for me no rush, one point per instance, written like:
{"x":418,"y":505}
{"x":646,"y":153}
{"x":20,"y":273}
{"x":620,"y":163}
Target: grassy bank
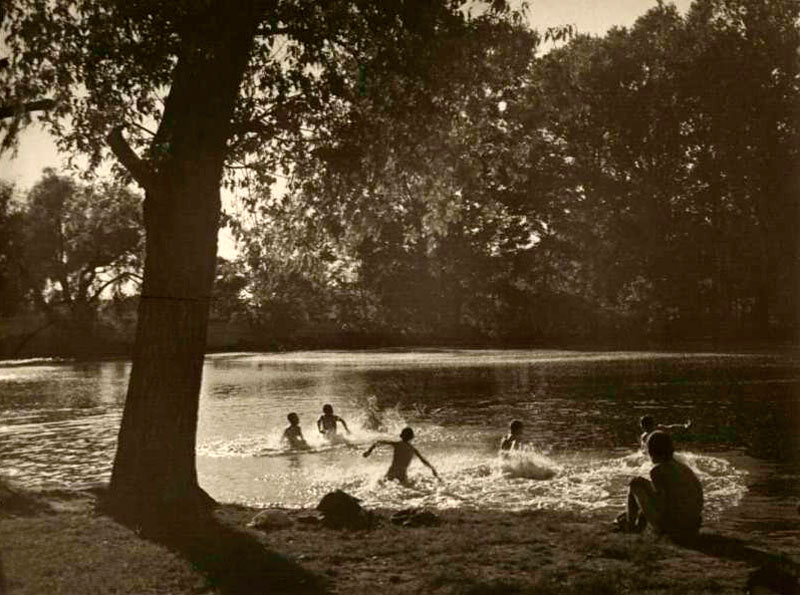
{"x":61,"y":544}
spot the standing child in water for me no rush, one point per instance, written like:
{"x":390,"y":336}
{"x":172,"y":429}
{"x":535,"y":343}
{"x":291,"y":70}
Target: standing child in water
{"x":649,"y":426}
{"x":293,"y":435}
{"x":326,"y":423}
{"x":513,"y":440}
{"x":401,"y":459}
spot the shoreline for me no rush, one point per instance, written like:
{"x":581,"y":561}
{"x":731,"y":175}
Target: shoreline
{"x":786,"y":348}
{"x":59,"y":542}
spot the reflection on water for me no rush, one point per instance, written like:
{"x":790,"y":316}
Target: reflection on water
{"x":60,"y":419}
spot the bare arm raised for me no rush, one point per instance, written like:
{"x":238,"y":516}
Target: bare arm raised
{"x":685,"y":426}
{"x":376,"y":443}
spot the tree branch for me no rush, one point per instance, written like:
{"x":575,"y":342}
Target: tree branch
{"x":143,"y":128}
{"x":7,"y":111}
{"x":118,"y":278}
{"x":270,"y":31}
{"x":136,"y":167}
{"x":253,"y":126}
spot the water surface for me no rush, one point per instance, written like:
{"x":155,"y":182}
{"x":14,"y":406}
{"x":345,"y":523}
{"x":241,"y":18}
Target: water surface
{"x":60,"y":419}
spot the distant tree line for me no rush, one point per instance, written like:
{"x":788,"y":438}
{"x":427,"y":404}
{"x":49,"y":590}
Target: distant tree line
{"x":70,"y":260}
{"x":636,"y":187}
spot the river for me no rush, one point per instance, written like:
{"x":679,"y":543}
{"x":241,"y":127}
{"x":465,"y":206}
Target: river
{"x":580,"y":409}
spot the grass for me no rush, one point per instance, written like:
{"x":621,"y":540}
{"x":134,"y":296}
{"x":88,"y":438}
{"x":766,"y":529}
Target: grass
{"x":82,"y":553}
{"x":64,"y":546}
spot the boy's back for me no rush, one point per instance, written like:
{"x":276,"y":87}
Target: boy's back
{"x":401,"y":459}
{"x":681,"y":495}
{"x":293,"y":435}
{"x":328,"y":422}
{"x":402,"y":454}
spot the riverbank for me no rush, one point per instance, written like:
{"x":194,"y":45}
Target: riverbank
{"x":59,"y":543}
{"x":32,"y":336}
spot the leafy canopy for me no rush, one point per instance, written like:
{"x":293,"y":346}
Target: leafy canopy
{"x":110,"y":64}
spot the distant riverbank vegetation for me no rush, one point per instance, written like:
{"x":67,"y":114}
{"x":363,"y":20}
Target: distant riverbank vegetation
{"x":636,"y":189}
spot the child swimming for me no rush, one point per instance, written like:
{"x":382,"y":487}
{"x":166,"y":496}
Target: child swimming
{"x":401,"y":459}
{"x":513,"y":440}
{"x":649,"y":426}
{"x":293,"y":435}
{"x":327,"y":423}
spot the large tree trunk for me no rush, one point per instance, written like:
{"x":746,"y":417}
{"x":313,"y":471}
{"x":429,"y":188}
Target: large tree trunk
{"x":154,"y":470}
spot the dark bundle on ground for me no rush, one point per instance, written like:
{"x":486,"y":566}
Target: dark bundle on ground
{"x":340,"y":510}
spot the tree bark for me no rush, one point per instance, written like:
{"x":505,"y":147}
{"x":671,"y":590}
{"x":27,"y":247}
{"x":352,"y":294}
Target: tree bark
{"x":154,"y":471}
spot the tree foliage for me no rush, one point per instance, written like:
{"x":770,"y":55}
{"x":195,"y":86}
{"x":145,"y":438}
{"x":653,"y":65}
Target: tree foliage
{"x":197,"y":87}
{"x":68,"y":249}
{"x":80,"y":241}
{"x":676,"y":156}
{"x":12,"y":243}
{"x":634,"y":185}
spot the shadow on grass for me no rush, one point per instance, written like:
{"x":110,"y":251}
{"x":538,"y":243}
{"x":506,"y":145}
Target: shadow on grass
{"x":776,"y":571}
{"x":18,"y":502}
{"x":233,"y":560}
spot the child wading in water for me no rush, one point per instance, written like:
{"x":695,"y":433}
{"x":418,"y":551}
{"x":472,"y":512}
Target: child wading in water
{"x":649,"y":426}
{"x":513,"y":440}
{"x":672,"y":501}
{"x":293,"y":435}
{"x":326,"y":423}
{"x":401,"y":459}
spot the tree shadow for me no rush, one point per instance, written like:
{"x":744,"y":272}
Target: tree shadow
{"x":776,"y":571}
{"x":233,"y":559}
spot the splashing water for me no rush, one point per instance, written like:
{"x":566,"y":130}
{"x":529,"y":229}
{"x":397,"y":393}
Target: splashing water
{"x":60,"y":422}
{"x":526,"y":479}
{"x":270,"y":444}
{"x":530,"y":479}
{"x":259,"y":470}
{"x":527,"y":464}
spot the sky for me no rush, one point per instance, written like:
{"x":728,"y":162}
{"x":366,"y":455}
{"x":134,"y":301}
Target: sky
{"x":37,"y":150}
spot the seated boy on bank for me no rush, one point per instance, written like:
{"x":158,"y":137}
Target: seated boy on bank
{"x":293,"y":435}
{"x":401,"y":459}
{"x":513,"y":440}
{"x":672,"y":501}
{"x":649,"y":426}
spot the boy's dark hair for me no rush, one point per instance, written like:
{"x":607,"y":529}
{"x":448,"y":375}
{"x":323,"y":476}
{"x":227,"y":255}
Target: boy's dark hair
{"x":647,"y":422}
{"x":292,"y":416}
{"x":407,"y":434}
{"x":327,"y":408}
{"x":659,"y":446}
{"x":515,"y":425}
